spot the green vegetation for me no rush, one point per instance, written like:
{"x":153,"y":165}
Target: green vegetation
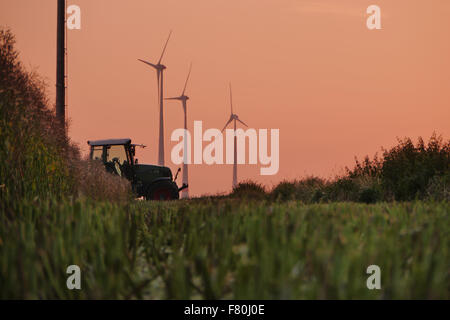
{"x":38,"y":161}
{"x":406,"y":172}
{"x":31,"y":143}
{"x":225,"y":249}
{"x":304,"y":239}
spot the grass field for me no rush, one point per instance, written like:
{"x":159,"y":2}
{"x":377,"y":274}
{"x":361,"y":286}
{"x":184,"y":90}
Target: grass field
{"x":225,"y":249}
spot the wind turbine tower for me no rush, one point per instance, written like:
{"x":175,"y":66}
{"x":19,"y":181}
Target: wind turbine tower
{"x":160,"y":80}
{"x":183,"y":98}
{"x":234,"y":117}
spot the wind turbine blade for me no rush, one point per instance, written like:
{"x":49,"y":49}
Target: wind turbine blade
{"x":165,"y":46}
{"x":229,"y":121}
{"x":146,"y":62}
{"x":231,"y":99}
{"x":187,"y":80}
{"x":242,"y":122}
{"x":175,"y":98}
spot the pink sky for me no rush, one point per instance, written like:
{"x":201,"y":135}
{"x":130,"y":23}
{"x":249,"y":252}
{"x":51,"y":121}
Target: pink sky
{"x":309,"y":68}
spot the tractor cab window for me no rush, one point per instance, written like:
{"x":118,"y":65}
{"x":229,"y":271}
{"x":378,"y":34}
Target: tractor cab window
{"x":97,"y":153}
{"x":118,"y":152}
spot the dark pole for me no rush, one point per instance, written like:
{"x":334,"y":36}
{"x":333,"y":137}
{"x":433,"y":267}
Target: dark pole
{"x":60,"y":64}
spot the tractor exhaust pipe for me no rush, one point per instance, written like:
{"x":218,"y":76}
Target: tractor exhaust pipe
{"x":184,"y":186}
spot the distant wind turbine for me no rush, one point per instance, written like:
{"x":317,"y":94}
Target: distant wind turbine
{"x":160,"y":79}
{"x":183,"y":98}
{"x":234,"y":117}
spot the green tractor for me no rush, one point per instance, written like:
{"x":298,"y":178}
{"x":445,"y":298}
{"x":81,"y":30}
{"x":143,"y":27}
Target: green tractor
{"x":148,"y":181}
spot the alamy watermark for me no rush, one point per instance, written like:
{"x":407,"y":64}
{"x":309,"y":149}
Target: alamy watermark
{"x":74,"y":280}
{"x":73,"y":17}
{"x":374,"y":281}
{"x":374,"y":20}
{"x":224,"y":149}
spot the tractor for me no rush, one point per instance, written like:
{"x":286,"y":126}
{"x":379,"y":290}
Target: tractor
{"x":148,"y":181}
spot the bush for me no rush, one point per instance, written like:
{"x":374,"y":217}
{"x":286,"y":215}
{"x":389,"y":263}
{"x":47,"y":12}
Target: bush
{"x":405,"y":172}
{"x":249,"y":190}
{"x":439,"y":188}
{"x":408,"y":169}
{"x":285,"y":190}
{"x":305,"y":190}
{"x":341,"y":189}
{"x":369,"y":195}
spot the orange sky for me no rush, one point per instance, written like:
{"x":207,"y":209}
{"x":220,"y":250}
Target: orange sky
{"x":309,"y":68}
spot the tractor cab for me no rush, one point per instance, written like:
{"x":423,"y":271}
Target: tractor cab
{"x":117,"y":155}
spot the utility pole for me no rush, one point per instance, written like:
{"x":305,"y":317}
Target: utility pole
{"x":60,"y":65}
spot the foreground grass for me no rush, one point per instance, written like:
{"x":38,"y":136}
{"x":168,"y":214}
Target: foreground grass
{"x":225,"y":249}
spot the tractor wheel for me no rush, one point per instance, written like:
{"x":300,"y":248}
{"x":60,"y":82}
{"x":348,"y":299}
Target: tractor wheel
{"x":163,"y":190}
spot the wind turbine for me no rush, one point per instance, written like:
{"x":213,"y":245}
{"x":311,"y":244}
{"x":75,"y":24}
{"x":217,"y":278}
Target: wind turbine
{"x":160,"y":79}
{"x":183,"y":98}
{"x":234,"y":117}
